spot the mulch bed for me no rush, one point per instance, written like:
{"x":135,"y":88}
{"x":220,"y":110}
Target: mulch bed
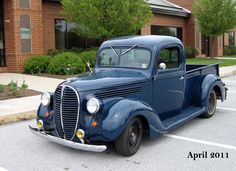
{"x":7,"y":94}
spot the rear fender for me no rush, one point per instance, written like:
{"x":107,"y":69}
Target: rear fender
{"x":119,"y":115}
{"x":210,"y":82}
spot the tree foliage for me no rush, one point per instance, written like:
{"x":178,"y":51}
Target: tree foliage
{"x":104,"y":19}
{"x":215,"y":16}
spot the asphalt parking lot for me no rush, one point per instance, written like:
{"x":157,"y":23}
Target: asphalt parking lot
{"x":215,"y":137}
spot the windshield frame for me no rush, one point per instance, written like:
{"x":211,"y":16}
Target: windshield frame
{"x":125,"y":47}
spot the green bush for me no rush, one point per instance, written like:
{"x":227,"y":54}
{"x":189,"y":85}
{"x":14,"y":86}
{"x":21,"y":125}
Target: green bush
{"x":92,"y":49}
{"x":2,"y":87}
{"x":53,"y":52}
{"x":230,"y":50}
{"x":66,"y":63}
{"x":76,"y":50}
{"x":89,"y":56}
{"x":233,"y":49}
{"x":36,"y":64}
{"x":227,"y":51}
{"x":190,"y":52}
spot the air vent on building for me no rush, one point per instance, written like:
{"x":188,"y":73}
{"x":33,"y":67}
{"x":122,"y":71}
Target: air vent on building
{"x":24,"y":3}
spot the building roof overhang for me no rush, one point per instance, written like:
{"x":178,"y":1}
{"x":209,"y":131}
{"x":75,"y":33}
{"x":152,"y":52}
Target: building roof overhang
{"x":163,"y":7}
{"x":168,"y":8}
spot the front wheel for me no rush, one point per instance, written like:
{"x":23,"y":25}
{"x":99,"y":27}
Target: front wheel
{"x":129,"y":141}
{"x":211,"y":105}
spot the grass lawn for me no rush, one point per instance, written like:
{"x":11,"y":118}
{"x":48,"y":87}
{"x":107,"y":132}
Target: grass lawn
{"x":223,"y":62}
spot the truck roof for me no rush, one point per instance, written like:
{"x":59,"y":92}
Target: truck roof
{"x":149,"y":40}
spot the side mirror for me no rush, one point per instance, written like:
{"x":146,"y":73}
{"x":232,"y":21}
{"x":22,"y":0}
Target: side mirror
{"x":162,"y":66}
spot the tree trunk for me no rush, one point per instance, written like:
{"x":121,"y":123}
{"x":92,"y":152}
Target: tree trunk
{"x":212,"y":46}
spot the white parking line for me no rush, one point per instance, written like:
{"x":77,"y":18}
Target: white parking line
{"x":2,"y":169}
{"x":226,"y":108}
{"x":201,"y":142}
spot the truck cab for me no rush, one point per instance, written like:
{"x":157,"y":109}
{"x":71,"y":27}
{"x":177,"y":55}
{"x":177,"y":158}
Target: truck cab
{"x":139,"y":85}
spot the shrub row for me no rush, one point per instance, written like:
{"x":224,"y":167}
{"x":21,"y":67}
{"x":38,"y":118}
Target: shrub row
{"x":229,"y":50}
{"x":61,"y":63}
{"x":190,"y":52}
{"x":37,"y":64}
{"x":71,"y":62}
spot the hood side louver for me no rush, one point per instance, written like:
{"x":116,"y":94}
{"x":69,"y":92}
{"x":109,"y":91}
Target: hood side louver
{"x":118,"y":92}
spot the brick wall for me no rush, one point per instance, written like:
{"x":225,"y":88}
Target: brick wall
{"x":165,"y":20}
{"x":188,"y":4}
{"x":12,"y":11}
{"x":10,"y":29}
{"x":3,"y":69}
{"x":51,"y":11}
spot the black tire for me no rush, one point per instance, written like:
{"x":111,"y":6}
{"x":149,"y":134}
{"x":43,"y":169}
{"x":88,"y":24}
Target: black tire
{"x":211,"y":105}
{"x":129,"y":141}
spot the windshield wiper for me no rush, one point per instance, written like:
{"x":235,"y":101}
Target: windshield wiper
{"x":114,"y":51}
{"x":128,"y":50}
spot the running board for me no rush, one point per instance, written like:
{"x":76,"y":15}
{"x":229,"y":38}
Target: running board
{"x":186,"y":115}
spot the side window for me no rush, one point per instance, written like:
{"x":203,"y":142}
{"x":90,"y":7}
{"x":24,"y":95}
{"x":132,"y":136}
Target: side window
{"x":170,"y":57}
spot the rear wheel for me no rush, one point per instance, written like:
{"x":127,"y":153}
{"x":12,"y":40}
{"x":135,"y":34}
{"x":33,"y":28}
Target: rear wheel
{"x":129,"y":141}
{"x":211,"y":105}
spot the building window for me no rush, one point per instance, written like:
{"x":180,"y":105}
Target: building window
{"x":231,"y":38}
{"x":168,"y":31}
{"x":25,"y":33}
{"x":66,"y":38}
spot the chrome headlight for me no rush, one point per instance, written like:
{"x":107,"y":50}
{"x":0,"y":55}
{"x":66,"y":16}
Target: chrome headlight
{"x":93,"y":105}
{"x":45,"y":99}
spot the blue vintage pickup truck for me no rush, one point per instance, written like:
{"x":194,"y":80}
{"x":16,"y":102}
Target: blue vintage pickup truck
{"x":139,"y":85}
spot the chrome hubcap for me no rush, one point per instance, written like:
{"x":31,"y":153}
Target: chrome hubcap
{"x":133,"y":135}
{"x":212,"y":103}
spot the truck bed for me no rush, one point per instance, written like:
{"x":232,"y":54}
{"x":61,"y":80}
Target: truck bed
{"x":193,"y":72}
{"x":202,"y":69}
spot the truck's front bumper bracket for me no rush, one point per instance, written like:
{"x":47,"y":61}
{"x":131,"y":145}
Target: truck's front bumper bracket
{"x":80,"y":146}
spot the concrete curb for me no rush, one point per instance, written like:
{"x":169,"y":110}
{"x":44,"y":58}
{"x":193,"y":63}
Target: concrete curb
{"x":17,"y":117}
{"x":228,"y":74}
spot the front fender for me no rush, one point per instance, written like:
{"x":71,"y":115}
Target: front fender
{"x":48,"y":122}
{"x":119,"y":115}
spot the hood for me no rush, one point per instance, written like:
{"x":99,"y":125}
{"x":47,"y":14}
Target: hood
{"x":106,"y":78}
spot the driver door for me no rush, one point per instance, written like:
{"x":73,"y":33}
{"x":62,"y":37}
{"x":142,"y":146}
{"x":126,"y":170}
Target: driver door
{"x":168,"y":84}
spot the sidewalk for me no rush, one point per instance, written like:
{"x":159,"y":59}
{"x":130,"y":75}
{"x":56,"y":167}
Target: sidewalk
{"x":227,"y":71}
{"x":18,"y":109}
{"x":34,"y":82}
{"x":226,"y":58}
{"x":25,"y":108}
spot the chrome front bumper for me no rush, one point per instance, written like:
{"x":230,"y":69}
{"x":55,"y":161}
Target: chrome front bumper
{"x":79,"y":146}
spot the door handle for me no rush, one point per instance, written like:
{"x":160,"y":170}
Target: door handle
{"x":181,"y":78}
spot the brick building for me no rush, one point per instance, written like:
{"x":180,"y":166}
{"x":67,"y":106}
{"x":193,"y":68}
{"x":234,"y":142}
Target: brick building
{"x":32,"y":27}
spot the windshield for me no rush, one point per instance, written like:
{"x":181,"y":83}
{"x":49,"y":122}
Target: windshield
{"x":125,"y":57}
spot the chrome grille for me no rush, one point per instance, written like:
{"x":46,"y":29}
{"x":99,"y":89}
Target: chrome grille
{"x":57,"y":113}
{"x":66,"y":108}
